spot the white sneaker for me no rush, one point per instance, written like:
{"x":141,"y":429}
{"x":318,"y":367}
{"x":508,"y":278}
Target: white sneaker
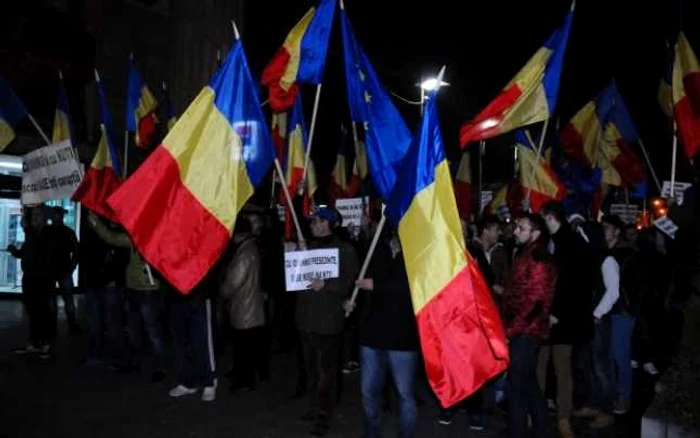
{"x":209,"y":393}
{"x":181,"y":390}
{"x":650,"y":368}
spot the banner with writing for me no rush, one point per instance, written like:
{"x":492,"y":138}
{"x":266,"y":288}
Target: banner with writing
{"x":627,"y":212}
{"x":302,"y":267}
{"x":678,"y":190}
{"x":52,"y":172}
{"x":351,"y":210}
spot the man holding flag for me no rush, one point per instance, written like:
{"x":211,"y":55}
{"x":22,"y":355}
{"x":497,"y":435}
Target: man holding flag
{"x":461,"y":334}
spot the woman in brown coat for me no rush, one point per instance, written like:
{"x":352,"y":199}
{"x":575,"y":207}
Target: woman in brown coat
{"x":241,"y":288}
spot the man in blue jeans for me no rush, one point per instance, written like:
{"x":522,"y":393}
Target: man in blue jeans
{"x":624,"y":312}
{"x":388,"y":338}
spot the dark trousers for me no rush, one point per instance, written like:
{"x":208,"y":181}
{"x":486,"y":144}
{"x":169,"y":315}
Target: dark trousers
{"x":37,"y":295}
{"x":114,"y":312}
{"x":145,"y":313}
{"x":321,"y":360}
{"x":191,"y":324}
{"x":525,"y":394}
{"x":602,"y":395}
{"x":95,"y":305}
{"x":249,"y":348}
{"x":65,"y":290}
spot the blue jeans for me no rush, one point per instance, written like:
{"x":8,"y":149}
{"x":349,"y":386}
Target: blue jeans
{"x":145,"y":309}
{"x":525,"y":395}
{"x":114,"y":312}
{"x":373,"y":366}
{"x":602,"y":395}
{"x":622,"y":329}
{"x":95,"y":304}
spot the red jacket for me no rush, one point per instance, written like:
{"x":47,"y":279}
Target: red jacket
{"x":528,"y":297}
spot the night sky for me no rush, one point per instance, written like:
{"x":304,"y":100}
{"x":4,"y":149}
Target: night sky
{"x":483,"y":44}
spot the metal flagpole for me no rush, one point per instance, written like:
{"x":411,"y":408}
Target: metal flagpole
{"x":674,"y":154}
{"x":38,"y":128}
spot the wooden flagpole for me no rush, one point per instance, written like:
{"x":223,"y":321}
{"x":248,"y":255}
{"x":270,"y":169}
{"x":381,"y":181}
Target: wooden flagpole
{"x":309,"y":143}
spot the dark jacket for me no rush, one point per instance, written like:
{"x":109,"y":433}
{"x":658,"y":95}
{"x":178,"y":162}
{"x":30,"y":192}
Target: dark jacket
{"x":321,"y":312}
{"x":35,"y":253}
{"x":64,"y":249}
{"x":528,"y":297}
{"x":387,"y":321}
{"x":242,"y":287}
{"x":578,"y":272}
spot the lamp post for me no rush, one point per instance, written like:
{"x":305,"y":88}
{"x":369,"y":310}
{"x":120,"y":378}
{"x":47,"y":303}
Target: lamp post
{"x":429,"y":85}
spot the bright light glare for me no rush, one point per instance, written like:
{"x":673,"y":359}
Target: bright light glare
{"x":431,"y":84}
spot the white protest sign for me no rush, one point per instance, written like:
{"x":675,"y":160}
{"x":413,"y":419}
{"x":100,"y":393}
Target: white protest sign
{"x":678,"y":189}
{"x":52,"y":172}
{"x":301,"y":267}
{"x":486,"y":197}
{"x":351,"y":210}
{"x":667,"y":226}
{"x":627,"y":212}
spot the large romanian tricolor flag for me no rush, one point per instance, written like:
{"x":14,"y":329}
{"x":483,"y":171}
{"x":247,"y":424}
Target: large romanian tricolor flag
{"x":12,"y":111}
{"x":104,"y":175}
{"x":686,"y":96}
{"x":302,"y":56}
{"x":169,"y":111}
{"x":530,"y":97}
{"x":141,"y":106}
{"x":461,"y":334}
{"x":62,"y":129}
{"x":537,"y":178}
{"x":665,"y":93}
{"x":181,"y":205}
{"x":386,"y":136}
{"x":601,"y":135}
{"x":463,"y":186}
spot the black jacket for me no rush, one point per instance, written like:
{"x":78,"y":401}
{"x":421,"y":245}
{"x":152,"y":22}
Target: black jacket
{"x":321,"y":312}
{"x":630,"y":280}
{"x":578,"y":272}
{"x":387,"y":321}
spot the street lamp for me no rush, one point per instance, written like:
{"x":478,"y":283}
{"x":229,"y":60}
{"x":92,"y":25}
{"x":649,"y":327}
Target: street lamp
{"x":429,"y":85}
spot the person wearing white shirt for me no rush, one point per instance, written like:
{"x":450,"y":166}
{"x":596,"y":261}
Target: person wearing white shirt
{"x":601,"y":397}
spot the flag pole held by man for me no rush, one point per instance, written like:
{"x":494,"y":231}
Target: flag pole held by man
{"x":461,"y":333}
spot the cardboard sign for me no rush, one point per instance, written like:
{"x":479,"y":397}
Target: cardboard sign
{"x":351,"y":210}
{"x":52,"y":172}
{"x":627,"y":212}
{"x":302,"y":267}
{"x":678,"y":190}
{"x":666,"y":226}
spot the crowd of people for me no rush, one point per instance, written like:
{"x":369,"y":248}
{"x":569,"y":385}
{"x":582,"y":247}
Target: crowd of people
{"x":583,"y":303}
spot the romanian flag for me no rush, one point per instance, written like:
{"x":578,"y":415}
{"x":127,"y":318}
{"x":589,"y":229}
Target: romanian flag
{"x":339,"y":177}
{"x":463,"y":187}
{"x":536,"y":176}
{"x":355,"y":184}
{"x":302,"y":56}
{"x":601,"y":135}
{"x":169,"y":111}
{"x":686,"y":96}
{"x":499,"y":204}
{"x":12,"y":111}
{"x":530,"y":97}
{"x":665,"y":93}
{"x":386,"y":136}
{"x":181,"y":205}
{"x":279,"y":133}
{"x":461,"y":334}
{"x":140,"y":109}
{"x":61,"y":120}
{"x":359,"y":166}
{"x":296,"y":154}
{"x":104,"y":175}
